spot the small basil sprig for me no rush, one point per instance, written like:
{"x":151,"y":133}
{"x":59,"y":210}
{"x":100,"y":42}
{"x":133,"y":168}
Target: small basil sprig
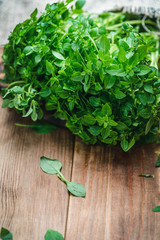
{"x":39,"y":127}
{"x":50,"y":235}
{"x":53,"y":166}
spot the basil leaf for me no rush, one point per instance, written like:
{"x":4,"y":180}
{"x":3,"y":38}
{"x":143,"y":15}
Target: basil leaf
{"x":76,"y":189}
{"x":104,"y":44}
{"x":156,"y":209}
{"x":50,"y":166}
{"x":149,"y":125}
{"x":58,"y":55}
{"x":80,"y":4}
{"x":147,"y":175}
{"x":53,"y":235}
{"x":5,"y":234}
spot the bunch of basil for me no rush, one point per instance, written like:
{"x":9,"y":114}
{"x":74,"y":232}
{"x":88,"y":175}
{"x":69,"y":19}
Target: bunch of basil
{"x":101,"y":79}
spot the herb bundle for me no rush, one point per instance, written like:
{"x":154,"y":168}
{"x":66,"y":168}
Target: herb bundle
{"x":101,"y":79}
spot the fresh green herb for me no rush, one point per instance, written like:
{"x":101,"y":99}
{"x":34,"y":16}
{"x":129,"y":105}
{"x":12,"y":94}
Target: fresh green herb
{"x":96,"y":73}
{"x":50,"y":235}
{"x":5,"y":234}
{"x":147,"y":175}
{"x":39,"y":127}
{"x":53,"y":235}
{"x":158,"y":161}
{"x":156,"y":209}
{"x":53,"y":166}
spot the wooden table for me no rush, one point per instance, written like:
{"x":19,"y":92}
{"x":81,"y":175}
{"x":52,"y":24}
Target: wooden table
{"x":118,"y":204}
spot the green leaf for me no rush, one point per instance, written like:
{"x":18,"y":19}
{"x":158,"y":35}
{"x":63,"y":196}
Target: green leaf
{"x":95,"y":130}
{"x":76,"y":189}
{"x":146,"y":175}
{"x":5,"y":103}
{"x":134,"y":60}
{"x":38,"y":58}
{"x":148,"y":88}
{"x":28,"y":50}
{"x":149,"y":125}
{"x":124,"y":145}
{"x":34,"y":115}
{"x":5,"y":234}
{"x":156,"y":209}
{"x":58,"y":55}
{"x":119,"y":94}
{"x":34,"y":13}
{"x":95,"y":101}
{"x":143,"y":70}
{"x":50,"y":166}
{"x":116,"y":71}
{"x":17,"y":89}
{"x":80,"y":3}
{"x":98,"y":87}
{"x":105,"y":132}
{"x":104,"y":44}
{"x":122,"y":55}
{"x":145,"y":113}
{"x":30,"y":110}
{"x":131,"y":143}
{"x":53,"y":235}
{"x":49,"y":67}
{"x":158,"y":161}
{"x":124,"y":45}
{"x":45,"y":92}
{"x":78,"y":78}
{"x":88,"y":120}
{"x":40,"y":127}
{"x":106,"y":109}
{"x":142,"y":51}
{"x":109,"y":82}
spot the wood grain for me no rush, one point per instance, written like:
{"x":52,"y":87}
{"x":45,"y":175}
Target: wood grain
{"x":31,"y":201}
{"x":118,"y":205}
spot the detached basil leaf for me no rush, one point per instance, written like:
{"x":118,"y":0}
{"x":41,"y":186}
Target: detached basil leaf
{"x":147,"y":175}
{"x":156,"y":209}
{"x":53,"y":235}
{"x":76,"y":189}
{"x":40,"y":127}
{"x":5,"y":234}
{"x":53,"y":166}
{"x":50,"y":166}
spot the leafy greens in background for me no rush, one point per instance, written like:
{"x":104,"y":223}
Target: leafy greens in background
{"x":50,"y":235}
{"x":97,"y":73}
{"x":53,"y":166}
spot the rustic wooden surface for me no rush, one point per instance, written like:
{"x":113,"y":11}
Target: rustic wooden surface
{"x":118,"y":204}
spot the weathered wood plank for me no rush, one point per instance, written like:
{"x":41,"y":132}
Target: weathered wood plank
{"x":30,"y":200}
{"x":118,"y":204}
